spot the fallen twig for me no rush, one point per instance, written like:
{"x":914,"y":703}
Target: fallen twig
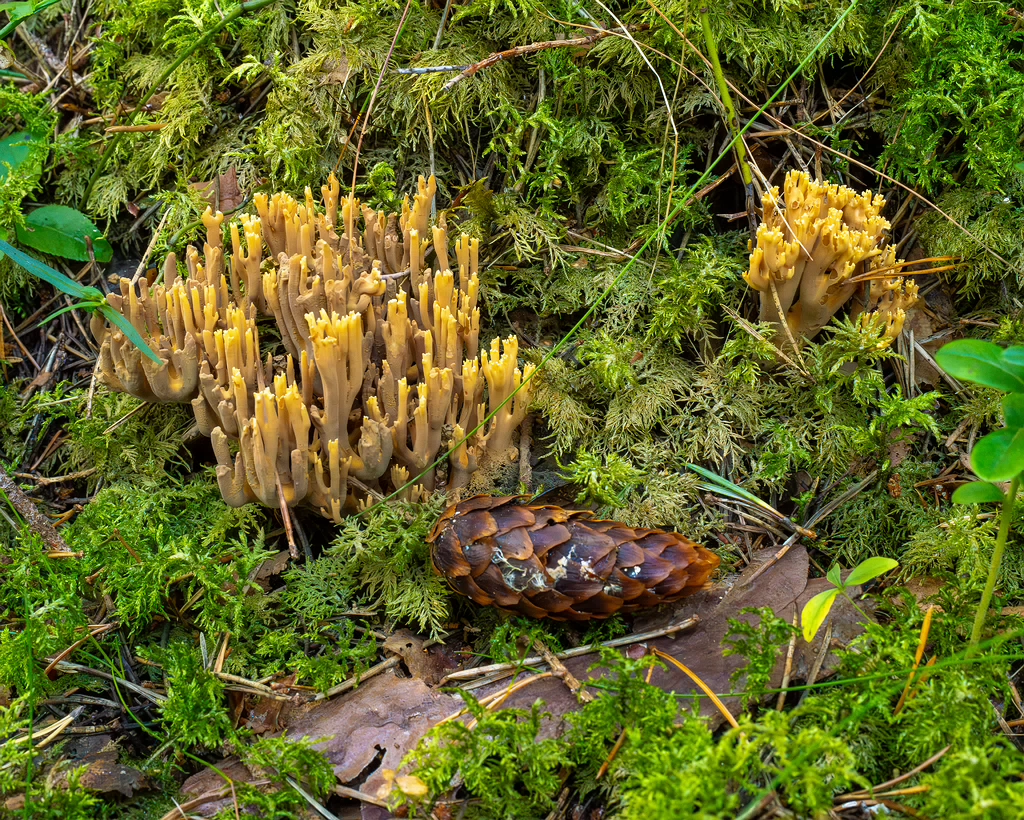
{"x":352,"y":682}
{"x":627,"y":640}
{"x":562,"y":673}
{"x":149,"y":694}
{"x":45,"y":481}
{"x":533,"y":48}
{"x":888,"y":784}
{"x":36,"y":521}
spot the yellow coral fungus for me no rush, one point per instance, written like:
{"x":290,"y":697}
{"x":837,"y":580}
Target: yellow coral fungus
{"x":811,"y":247}
{"x":381,"y":366}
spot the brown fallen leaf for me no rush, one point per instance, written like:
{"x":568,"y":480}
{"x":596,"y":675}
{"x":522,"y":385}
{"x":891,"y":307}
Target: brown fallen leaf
{"x":272,"y":567}
{"x":209,"y":782}
{"x":335,"y":72}
{"x":103,"y":774}
{"x":918,"y":321}
{"x":261,"y":714}
{"x":428,"y":663}
{"x":363,"y":733}
{"x":223,"y":193}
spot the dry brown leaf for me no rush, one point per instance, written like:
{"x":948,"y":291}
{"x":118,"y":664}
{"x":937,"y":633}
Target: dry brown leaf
{"x":429,"y":664}
{"x":270,"y":568}
{"x":103,"y":774}
{"x":923,"y":327}
{"x":335,"y":72}
{"x":363,"y":733}
{"x":223,"y":193}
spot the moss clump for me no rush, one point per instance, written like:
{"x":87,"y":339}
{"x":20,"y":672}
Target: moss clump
{"x":501,"y":761}
{"x":195,"y":714}
{"x":670,"y":764}
{"x":383,"y":562}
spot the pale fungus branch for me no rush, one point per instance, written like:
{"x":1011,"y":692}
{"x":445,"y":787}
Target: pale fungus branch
{"x":380,"y":370}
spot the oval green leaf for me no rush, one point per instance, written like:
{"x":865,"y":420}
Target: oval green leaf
{"x":14,"y":151}
{"x":981,"y":362}
{"x":1013,"y":410}
{"x":1014,"y":355}
{"x":978,"y":492}
{"x":816,"y":611}
{"x":62,"y":231}
{"x":871,"y":568}
{"x":999,"y":456}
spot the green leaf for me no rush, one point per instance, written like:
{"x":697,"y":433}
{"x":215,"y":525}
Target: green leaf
{"x":870,"y":568}
{"x":815,"y":612}
{"x":85,"y":295}
{"x":18,"y":11}
{"x":1013,"y":410}
{"x":22,"y":11}
{"x":62,"y":231}
{"x":89,"y":306}
{"x":722,"y":486}
{"x":833,"y":575}
{"x":977,"y":492}
{"x":999,"y":456}
{"x":981,"y":362}
{"x":14,"y":150}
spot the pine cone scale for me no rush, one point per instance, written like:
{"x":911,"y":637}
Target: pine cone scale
{"x":511,"y":518}
{"x":474,"y":527}
{"x":546,"y":539}
{"x":515,"y":544}
{"x":545,"y":561}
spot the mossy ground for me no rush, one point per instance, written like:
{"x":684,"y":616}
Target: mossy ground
{"x":565,"y":161}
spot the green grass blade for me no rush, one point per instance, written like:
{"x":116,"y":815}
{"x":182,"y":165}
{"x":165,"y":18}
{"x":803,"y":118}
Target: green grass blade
{"x":129,"y":331}
{"x":88,"y":298}
{"x":722,"y":486}
{"x":63,"y":283}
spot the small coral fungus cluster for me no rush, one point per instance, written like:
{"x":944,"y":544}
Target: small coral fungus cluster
{"x":381,"y":367}
{"x":818,"y":250}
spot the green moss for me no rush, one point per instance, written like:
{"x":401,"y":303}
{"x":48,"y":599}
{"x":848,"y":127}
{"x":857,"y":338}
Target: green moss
{"x":963,"y":101}
{"x":669,"y":763}
{"x":42,"y":608}
{"x":171,"y":550}
{"x":382,"y":561}
{"x":195,"y":713}
{"x":501,"y":761}
{"x":286,"y":762}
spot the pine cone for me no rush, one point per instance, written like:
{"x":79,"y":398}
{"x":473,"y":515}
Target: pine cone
{"x":548,"y":562}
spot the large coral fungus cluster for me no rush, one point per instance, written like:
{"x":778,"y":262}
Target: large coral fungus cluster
{"x":380,"y":370}
{"x":817,"y":249}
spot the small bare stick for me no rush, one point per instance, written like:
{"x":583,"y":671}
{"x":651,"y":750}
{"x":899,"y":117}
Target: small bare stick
{"x":36,"y":521}
{"x":562,"y":673}
{"x":532,"y":48}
